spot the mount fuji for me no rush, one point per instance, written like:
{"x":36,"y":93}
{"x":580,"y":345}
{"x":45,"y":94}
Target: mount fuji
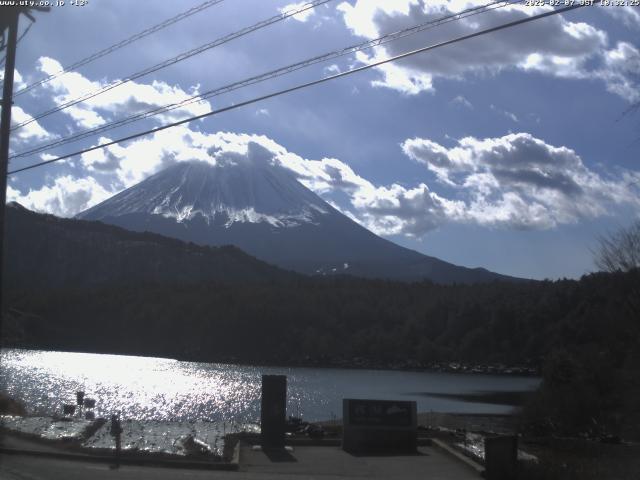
{"x":265,"y":211}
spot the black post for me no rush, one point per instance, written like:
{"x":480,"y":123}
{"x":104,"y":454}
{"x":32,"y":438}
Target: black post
{"x":273,"y":411}
{"x":116,"y":433}
{"x":5,"y":127}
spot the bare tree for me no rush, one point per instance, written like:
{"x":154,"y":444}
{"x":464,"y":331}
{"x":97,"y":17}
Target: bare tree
{"x":619,"y":251}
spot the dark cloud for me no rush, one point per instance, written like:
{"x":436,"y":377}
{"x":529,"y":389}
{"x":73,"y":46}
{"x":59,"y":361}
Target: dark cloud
{"x":554,"y":46}
{"x":561,"y":182}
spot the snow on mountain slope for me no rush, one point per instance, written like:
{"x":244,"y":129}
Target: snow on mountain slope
{"x":261,"y":208}
{"x":241,"y":192}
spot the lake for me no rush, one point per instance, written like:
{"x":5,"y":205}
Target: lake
{"x":146,"y":388}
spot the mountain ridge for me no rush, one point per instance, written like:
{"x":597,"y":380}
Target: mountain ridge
{"x":46,"y":251}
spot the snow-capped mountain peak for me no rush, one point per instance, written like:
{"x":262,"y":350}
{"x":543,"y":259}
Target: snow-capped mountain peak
{"x":224,"y":192}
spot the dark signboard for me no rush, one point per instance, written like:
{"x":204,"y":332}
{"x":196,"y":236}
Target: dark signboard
{"x":379,"y":426}
{"x":380,"y":413}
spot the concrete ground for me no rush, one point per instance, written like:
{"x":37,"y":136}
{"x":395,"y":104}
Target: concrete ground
{"x":22,"y":467}
{"x":333,"y":462}
{"x":303,"y":462}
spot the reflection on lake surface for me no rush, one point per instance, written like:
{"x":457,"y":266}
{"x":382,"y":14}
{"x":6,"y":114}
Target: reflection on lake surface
{"x":145,"y":388}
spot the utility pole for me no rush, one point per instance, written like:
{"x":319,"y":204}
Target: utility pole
{"x":5,"y":126}
{"x":9,"y":21}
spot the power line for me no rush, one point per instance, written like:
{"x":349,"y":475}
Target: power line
{"x":121,"y":44}
{"x":22,"y":35}
{"x":176,"y":59}
{"x":268,"y":75}
{"x":305,"y":85}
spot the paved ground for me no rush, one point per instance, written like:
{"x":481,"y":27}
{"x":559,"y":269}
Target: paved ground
{"x":332,"y":462}
{"x":304,"y":462}
{"x":19,"y":467}
{"x":19,"y":443}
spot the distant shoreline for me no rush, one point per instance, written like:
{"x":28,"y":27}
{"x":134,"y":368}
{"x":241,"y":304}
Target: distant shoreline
{"x":516,"y":398}
{"x":355,"y":364}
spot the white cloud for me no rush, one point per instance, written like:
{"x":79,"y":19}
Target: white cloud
{"x":106,"y":159}
{"x":404,"y":79}
{"x":621,"y":71}
{"x":12,"y":194}
{"x":629,"y":15}
{"x":32,"y":131}
{"x":511,"y":116}
{"x":460,"y":100}
{"x":520,"y":181}
{"x":396,"y":210}
{"x":302,"y":16}
{"x":552,"y":46}
{"x":624,"y":58}
{"x":332,"y":69}
{"x":65,"y":197}
{"x":121,"y":101}
{"x":132,"y":163}
{"x":18,"y":81}
{"x":360,"y":18}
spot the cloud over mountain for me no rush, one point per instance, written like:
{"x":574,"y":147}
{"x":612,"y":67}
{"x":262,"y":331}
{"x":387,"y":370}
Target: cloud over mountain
{"x":515,"y":181}
{"x":64,"y":197}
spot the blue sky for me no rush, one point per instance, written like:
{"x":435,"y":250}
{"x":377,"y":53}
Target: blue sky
{"x":511,"y":151}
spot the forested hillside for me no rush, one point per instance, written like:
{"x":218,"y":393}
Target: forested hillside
{"x":336,"y":320}
{"x":44,"y":251}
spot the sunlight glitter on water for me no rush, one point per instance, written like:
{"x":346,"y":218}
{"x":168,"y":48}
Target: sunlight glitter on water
{"x":135,"y":387}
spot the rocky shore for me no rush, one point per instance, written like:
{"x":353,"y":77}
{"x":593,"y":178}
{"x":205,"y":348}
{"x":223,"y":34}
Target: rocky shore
{"x":199,"y":439}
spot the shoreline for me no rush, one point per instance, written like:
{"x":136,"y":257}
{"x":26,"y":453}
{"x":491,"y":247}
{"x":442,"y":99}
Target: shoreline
{"x":140,"y":438}
{"x":510,"y":398}
{"x":88,"y":437}
{"x":357,"y":363}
